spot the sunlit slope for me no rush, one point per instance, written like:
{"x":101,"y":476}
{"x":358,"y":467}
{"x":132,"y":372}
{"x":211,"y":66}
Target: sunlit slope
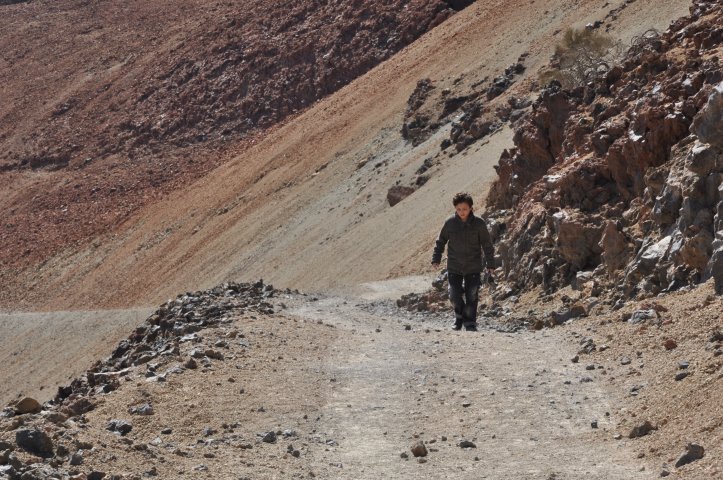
{"x":299,"y":209}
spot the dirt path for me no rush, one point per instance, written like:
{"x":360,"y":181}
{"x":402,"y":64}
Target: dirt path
{"x":507,"y":393}
{"x":352,"y":382}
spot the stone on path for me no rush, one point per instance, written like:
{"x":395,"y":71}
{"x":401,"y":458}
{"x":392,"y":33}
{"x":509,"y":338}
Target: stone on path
{"x":419,"y":450}
{"x":642,"y":430}
{"x":34,"y":441}
{"x":693,"y":452}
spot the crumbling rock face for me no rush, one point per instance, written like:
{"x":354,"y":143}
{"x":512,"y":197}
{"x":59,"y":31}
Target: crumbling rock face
{"x":429,"y":107}
{"x":537,"y":144}
{"x":622,"y":178}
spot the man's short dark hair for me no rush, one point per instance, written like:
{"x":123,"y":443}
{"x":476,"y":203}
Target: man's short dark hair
{"x":462,"y":197}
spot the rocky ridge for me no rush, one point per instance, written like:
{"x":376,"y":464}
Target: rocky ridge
{"x":616,"y":186}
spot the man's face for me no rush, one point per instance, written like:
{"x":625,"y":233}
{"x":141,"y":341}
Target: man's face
{"x":463,"y":210}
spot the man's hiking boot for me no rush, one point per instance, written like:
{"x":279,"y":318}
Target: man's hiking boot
{"x":457,"y":326}
{"x":471,"y":328}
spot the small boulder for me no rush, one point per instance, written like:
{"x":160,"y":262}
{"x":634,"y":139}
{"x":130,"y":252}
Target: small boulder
{"x":692,"y":453}
{"x":419,"y":450}
{"x":681,"y":375}
{"x":76,"y":459}
{"x":145,"y":409}
{"x":467,"y":444}
{"x":640,"y":316}
{"x":641,"y":430}
{"x":670,"y":344}
{"x":119,"y":426}
{"x":27,"y":405}
{"x":34,"y":441}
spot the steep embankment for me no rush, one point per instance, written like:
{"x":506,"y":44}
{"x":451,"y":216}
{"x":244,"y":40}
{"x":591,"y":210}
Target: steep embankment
{"x":108,"y":105}
{"x":307,"y":205}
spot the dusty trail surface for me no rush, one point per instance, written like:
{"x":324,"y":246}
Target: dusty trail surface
{"x":390,"y":387}
{"x":349,"y":383}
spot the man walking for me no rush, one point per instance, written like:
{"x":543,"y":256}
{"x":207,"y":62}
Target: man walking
{"x":467,"y":236}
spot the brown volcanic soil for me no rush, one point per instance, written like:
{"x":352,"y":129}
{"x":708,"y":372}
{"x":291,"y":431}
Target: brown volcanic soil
{"x":108,"y":105}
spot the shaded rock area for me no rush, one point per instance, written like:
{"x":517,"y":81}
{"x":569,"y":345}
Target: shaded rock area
{"x":618,"y":184}
{"x":48,"y":433}
{"x":470,"y":108}
{"x":434,"y":300}
{"x":398,"y":193}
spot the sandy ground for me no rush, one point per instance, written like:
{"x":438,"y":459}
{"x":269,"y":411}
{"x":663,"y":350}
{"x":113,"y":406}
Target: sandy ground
{"x":41,"y":351}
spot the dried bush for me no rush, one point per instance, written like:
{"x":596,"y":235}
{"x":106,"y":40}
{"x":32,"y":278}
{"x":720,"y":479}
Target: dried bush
{"x":580,"y":56}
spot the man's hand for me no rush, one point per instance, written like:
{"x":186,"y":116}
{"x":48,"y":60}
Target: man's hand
{"x":435,"y":264}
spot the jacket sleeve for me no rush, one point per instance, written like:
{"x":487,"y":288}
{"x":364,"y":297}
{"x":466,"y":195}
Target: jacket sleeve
{"x":440,"y":244}
{"x":486,"y":242}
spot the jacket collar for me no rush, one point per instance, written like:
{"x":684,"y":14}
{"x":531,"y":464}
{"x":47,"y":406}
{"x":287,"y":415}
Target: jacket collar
{"x":470,"y":219}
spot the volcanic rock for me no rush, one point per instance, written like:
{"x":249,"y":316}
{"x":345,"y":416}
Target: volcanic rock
{"x":34,"y":441}
{"x":608,"y":179}
{"x":641,"y":430}
{"x":398,"y":193}
{"x":120,"y":426}
{"x":27,"y":405}
{"x":692,"y":453}
{"x":419,"y":450}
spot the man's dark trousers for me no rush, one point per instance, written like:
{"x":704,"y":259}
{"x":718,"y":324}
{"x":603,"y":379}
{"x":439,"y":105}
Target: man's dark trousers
{"x":464,"y":294}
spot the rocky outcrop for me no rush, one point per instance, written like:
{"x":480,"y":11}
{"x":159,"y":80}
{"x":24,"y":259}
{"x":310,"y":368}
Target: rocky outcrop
{"x":470,"y":109}
{"x":622,"y":178}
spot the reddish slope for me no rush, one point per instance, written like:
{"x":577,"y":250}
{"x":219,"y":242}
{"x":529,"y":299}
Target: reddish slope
{"x":106,"y":105}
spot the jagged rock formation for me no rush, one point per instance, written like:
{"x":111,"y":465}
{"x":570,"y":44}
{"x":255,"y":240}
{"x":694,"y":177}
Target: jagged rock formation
{"x":470,"y":108}
{"x":619,"y":182}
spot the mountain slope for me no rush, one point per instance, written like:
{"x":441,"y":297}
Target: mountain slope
{"x":107,"y":105}
{"x":296,"y":208}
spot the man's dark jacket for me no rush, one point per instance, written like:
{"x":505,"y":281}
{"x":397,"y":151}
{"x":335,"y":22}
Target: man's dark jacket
{"x":466,"y":242}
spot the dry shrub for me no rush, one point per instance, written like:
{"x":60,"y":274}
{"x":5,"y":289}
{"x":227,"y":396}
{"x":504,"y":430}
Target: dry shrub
{"x":580,"y":56}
